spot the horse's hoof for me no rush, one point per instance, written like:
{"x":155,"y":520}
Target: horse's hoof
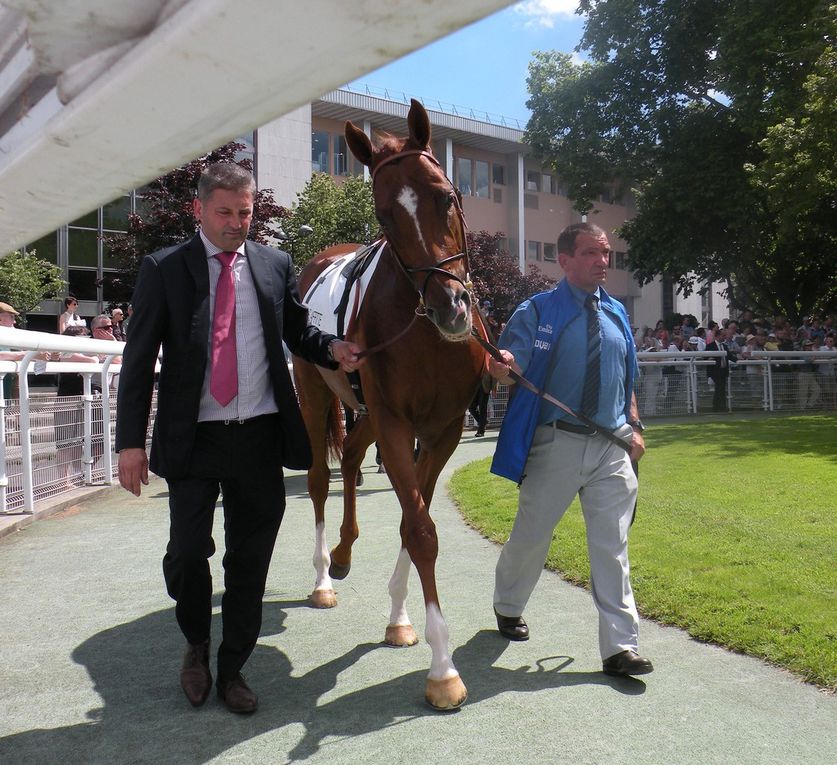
{"x":446,"y":694}
{"x":339,"y":571}
{"x":400,"y":635}
{"x":323,"y":599}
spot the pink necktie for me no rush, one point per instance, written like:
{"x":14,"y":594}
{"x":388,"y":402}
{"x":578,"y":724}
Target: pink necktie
{"x":223,"y":379}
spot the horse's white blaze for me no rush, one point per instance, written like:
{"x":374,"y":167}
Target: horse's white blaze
{"x":408,"y":199}
{"x":436,"y":634}
{"x":322,"y":559}
{"x":398,"y":589}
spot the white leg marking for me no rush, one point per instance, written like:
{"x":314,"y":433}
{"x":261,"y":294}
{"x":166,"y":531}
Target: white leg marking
{"x":436,"y":634}
{"x":398,"y":589}
{"x":408,"y":199}
{"x":322,"y":560}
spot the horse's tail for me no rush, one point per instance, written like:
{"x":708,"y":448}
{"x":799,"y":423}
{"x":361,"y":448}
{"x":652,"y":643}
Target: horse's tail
{"x":335,"y":431}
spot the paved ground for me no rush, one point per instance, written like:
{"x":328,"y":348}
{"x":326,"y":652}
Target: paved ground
{"x":89,"y":654}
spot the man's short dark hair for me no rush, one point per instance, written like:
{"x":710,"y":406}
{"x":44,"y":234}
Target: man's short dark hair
{"x":225,"y":175}
{"x":566,"y":239}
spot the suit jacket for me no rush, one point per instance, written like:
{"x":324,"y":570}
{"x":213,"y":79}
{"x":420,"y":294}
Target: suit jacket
{"x":171,"y":308}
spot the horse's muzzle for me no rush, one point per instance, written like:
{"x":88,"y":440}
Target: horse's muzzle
{"x":453,"y":317}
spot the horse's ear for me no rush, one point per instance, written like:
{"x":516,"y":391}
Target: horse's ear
{"x":419,"y":124}
{"x":359,"y":143}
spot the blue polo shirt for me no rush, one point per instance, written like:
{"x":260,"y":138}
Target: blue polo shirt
{"x":566,"y":380}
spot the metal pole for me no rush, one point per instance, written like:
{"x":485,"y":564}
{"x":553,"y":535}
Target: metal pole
{"x":25,"y":434}
{"x":108,"y":456}
{"x":87,"y":448}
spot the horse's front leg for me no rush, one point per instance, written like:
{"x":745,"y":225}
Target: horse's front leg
{"x":400,"y":631}
{"x":444,"y":688}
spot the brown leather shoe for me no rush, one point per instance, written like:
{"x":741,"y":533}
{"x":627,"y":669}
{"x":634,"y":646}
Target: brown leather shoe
{"x":195,"y":677}
{"x":236,"y":694}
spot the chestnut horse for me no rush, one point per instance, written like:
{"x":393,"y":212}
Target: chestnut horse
{"x":421,"y":371}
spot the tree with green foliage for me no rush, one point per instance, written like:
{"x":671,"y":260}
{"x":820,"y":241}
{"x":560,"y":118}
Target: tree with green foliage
{"x":337,"y":213}
{"x":166,"y":217}
{"x":496,"y":275}
{"x":26,"y":280}
{"x":720,"y":114}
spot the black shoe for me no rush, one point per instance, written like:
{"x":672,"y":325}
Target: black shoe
{"x":479,"y":434}
{"x":195,"y":677}
{"x":237,"y":695}
{"x":512,"y":627}
{"x":627,"y":663}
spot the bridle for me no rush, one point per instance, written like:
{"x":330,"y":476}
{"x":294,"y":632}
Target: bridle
{"x":408,"y":271}
{"x":436,"y":268}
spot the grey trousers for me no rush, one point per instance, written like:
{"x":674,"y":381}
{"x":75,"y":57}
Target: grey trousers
{"x":561,"y":465}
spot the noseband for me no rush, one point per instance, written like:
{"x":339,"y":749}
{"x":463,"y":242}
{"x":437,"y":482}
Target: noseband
{"x":436,"y":268}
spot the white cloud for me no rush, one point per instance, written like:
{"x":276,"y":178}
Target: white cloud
{"x":542,"y":13}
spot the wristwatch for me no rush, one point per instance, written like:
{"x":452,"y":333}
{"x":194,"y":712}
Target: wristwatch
{"x":330,"y":350}
{"x":637,"y":425}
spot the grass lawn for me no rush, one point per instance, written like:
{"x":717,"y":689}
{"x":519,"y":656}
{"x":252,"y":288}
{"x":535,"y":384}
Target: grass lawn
{"x":735,"y":539}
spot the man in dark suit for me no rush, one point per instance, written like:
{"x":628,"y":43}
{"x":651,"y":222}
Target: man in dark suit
{"x":227,"y":416}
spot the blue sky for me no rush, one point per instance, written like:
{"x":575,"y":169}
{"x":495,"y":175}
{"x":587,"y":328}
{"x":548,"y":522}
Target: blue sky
{"x":484,"y":66}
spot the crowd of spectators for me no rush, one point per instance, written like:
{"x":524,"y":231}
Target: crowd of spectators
{"x":743,"y":339}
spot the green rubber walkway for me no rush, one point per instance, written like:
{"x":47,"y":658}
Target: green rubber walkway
{"x":90,"y":652}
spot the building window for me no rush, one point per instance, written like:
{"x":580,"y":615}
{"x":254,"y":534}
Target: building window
{"x":533,"y":180}
{"x":611,"y":196}
{"x":548,"y":186}
{"x":549,"y":252}
{"x":481,"y":178}
{"x":248,"y":140}
{"x":533,"y":250}
{"x":620,"y":261}
{"x":319,"y":151}
{"x":463,"y":176}
{"x":83,"y":247}
{"x":46,"y":248}
{"x":340,"y":158}
{"x":115,"y":214}
{"x":498,"y":174}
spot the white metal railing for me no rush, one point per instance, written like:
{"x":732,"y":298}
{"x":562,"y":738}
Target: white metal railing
{"x":50,"y":444}
{"x":37,"y":463}
{"x":675,"y":383}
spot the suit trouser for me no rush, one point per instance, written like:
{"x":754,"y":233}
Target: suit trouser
{"x":561,"y":465}
{"x":241,"y":461}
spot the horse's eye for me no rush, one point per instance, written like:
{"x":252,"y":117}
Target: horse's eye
{"x":446,"y":201}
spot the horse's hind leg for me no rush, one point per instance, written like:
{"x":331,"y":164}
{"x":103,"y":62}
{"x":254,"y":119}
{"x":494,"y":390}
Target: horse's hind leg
{"x":354,"y":447}
{"x":316,"y":404}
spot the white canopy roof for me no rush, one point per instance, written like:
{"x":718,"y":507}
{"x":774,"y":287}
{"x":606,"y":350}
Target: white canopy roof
{"x":100,"y":96}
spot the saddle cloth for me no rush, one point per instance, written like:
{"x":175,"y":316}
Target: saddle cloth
{"x":340,"y":287}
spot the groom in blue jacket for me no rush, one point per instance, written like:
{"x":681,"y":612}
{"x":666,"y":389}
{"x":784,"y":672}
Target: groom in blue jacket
{"x":574,"y":342}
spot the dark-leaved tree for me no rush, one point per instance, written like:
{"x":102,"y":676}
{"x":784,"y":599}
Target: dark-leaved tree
{"x":496,"y":275}
{"x":721,"y":115}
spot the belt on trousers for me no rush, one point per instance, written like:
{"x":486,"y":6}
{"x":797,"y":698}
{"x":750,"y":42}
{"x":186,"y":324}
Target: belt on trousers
{"x":581,"y":430}
{"x":247,"y":421}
